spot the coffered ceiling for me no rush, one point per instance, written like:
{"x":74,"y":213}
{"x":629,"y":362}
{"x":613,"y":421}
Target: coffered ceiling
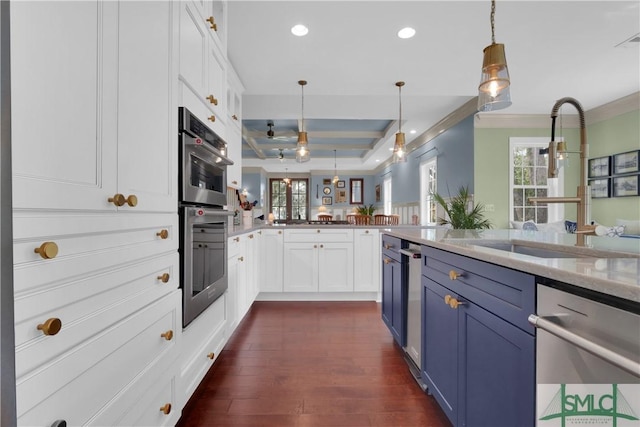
{"x":352,"y":58}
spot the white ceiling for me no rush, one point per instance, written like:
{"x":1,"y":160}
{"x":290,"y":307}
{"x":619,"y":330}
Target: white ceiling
{"x":352,"y":58}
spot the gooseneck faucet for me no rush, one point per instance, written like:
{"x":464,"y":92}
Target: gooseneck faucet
{"x":583,"y":197}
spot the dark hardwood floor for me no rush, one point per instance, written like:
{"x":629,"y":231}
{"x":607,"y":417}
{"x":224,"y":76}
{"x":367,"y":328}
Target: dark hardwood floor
{"x":311,"y":364}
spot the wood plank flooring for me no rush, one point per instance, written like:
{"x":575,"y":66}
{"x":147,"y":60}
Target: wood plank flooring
{"x":324,"y":364}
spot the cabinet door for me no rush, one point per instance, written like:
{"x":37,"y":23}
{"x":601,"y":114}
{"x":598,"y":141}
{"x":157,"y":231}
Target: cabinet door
{"x":366,"y":269}
{"x":394,"y":299}
{"x":273,"y":247}
{"x":335,"y":267}
{"x":387,"y":292}
{"x":440,"y":347}
{"x":63,"y":112}
{"x":193,"y":50}
{"x":497,"y":371}
{"x":147,"y":117}
{"x":301,"y":267}
{"x":217,"y":89}
{"x":234,"y":151}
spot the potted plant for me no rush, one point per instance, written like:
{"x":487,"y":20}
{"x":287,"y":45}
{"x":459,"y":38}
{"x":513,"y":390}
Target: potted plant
{"x":366,"y":211}
{"x":461,"y":214}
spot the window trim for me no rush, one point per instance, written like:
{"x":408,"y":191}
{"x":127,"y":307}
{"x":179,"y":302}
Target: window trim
{"x":289,"y":197}
{"x":425,"y":197}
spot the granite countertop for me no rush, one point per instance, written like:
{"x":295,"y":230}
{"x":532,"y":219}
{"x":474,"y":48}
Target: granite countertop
{"x":607,"y":265}
{"x":235,"y":230}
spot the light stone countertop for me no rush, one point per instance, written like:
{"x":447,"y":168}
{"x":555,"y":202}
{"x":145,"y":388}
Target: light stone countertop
{"x":601,"y":270}
{"x":235,"y":230}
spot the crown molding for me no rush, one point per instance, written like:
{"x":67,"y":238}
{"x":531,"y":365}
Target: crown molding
{"x":615,"y":108}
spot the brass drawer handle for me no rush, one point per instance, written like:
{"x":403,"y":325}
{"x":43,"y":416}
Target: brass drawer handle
{"x":236,"y":239}
{"x":251,"y":236}
{"x":317,"y":231}
{"x":166,"y":409}
{"x":163,"y":234}
{"x":453,"y":275}
{"x":387,"y":261}
{"x":47,"y":250}
{"x":452,"y":302}
{"x":388,"y":246}
{"x":212,"y":99}
{"x":132,"y":200}
{"x":51,"y":326}
{"x":167,"y":335}
{"x":118,"y":199}
{"x":234,"y":117}
{"x":213,"y":25}
{"x":241,"y":258}
{"x":212,"y":118}
{"x":321,"y":246}
{"x":279,"y":231}
{"x":234,"y":182}
{"x":211,"y":355}
{"x":366,"y":231}
{"x":164,"y":278}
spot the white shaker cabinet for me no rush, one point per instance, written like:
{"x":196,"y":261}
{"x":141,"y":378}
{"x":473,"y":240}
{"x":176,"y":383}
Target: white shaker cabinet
{"x":272,"y":258}
{"x":234,"y":128}
{"x":366,"y":262}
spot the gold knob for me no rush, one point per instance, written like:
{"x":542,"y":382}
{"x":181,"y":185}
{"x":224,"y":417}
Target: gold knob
{"x":118,"y":200}
{"x":212,"y":118}
{"x":251,"y":236}
{"x":211,"y":355}
{"x":386,"y":261}
{"x":164,"y":278}
{"x":454,"y":303}
{"x":132,"y":200}
{"x":234,"y":182}
{"x":166,"y":409}
{"x":388,"y":246}
{"x":366,"y":231}
{"x":237,"y":239}
{"x":234,"y":117}
{"x":167,"y":335}
{"x":212,"y":21}
{"x":315,"y":246}
{"x":51,"y":326}
{"x":260,"y":232}
{"x":241,"y":258}
{"x":322,"y":246}
{"x":317,"y":231}
{"x":47,"y":250}
{"x":454,"y":275}
{"x":163,"y":234}
{"x":279,"y":231}
{"x":212,"y":99}
{"x":447,"y":299}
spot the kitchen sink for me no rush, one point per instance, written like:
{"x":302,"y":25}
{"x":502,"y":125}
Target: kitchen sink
{"x":532,"y":251}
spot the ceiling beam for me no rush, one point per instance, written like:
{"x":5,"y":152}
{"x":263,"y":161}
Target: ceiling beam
{"x":333,"y":134}
{"x":312,"y":146}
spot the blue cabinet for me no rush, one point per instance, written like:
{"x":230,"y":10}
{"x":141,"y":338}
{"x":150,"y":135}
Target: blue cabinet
{"x":394,"y":289}
{"x":478,"y":355}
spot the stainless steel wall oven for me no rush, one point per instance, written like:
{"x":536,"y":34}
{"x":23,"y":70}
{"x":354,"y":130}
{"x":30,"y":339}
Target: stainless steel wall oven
{"x":203,"y":215}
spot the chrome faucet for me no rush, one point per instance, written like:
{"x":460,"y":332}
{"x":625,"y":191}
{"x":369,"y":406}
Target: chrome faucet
{"x":583,"y":197}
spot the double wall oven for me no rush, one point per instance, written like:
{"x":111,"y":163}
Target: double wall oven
{"x":203,"y":215}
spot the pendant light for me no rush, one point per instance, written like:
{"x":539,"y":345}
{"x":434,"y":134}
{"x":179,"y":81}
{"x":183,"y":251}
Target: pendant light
{"x":493,"y":91}
{"x":302,"y":148}
{"x":286,"y":179}
{"x":399,"y":150}
{"x":336,"y":178}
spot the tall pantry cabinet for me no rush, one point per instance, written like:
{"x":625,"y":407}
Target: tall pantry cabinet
{"x":97,"y":304}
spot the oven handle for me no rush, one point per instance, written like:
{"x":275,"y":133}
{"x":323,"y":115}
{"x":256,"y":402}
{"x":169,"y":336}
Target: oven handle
{"x":603,"y":353}
{"x":212,"y":150}
{"x":194,"y":212}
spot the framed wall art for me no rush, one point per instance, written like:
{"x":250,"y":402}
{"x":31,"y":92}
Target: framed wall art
{"x":340,"y":184}
{"x":624,"y":186}
{"x":341,"y":196}
{"x":625,"y":162}
{"x":600,"y":166}
{"x":600,"y":188}
{"x":327,"y":200}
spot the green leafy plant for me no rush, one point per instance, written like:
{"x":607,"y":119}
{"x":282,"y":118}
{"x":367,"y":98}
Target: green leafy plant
{"x":365,"y":210}
{"x":461,"y":214}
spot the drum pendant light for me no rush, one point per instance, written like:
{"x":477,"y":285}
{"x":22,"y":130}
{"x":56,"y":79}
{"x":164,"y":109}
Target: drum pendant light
{"x":399,"y":150}
{"x":302,"y":148}
{"x":493,"y":91}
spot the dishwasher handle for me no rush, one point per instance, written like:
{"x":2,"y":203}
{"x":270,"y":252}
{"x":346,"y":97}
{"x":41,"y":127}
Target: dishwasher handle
{"x":603,"y":353}
{"x":411,"y":253}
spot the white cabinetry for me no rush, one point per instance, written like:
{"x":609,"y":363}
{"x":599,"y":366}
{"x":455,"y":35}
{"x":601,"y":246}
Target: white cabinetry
{"x":243,"y":272}
{"x":272,"y":257}
{"x":234,"y":128}
{"x":318,"y":260}
{"x":366,"y":263}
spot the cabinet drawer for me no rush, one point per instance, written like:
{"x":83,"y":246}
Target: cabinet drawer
{"x":194,"y":102}
{"x":391,"y":247}
{"x":85,"y":306}
{"x":318,"y":235}
{"x":78,"y":383}
{"x":86,"y":244}
{"x":507,"y":293}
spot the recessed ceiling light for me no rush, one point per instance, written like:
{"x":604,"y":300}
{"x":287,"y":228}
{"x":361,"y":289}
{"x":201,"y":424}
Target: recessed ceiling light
{"x":412,"y":131}
{"x":377,"y":160}
{"x":406,"y":33}
{"x":390,"y":148}
{"x":299,"y":30}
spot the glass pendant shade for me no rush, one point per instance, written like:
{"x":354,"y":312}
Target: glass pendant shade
{"x":302,"y":148}
{"x":493,"y":91}
{"x":399,"y":150}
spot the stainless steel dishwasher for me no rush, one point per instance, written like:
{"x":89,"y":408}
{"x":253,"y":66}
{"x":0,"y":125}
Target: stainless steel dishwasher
{"x":587,"y":357}
{"x":414,"y":311}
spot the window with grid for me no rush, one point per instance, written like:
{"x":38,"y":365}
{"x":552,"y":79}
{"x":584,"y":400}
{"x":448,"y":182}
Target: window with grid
{"x":289,"y":200}
{"x":528,"y":178}
{"x":428,"y":186}
{"x":386,"y":196}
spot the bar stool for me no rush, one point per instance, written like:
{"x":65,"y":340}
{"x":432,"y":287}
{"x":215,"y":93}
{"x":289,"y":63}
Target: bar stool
{"x":325,"y":217}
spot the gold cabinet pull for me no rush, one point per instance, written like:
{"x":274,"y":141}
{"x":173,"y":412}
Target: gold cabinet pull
{"x":47,"y":250}
{"x":251,"y":236}
{"x":51,"y":326}
{"x":366,"y":231}
{"x":163,"y":234}
{"x":452,"y":302}
{"x":164,"y":278}
{"x":279,"y":231}
{"x":387,"y":246}
{"x":234,"y":117}
{"x":315,"y":246}
{"x":236,"y":239}
{"x":260,"y":232}
{"x":453,"y":275}
{"x":132,"y":200}
{"x":241,"y":258}
{"x":166,"y":408}
{"x":317,"y":231}
{"x":212,"y":118}
{"x":167,"y":335}
{"x":447,"y":298}
{"x":213,"y":25}
{"x":118,"y":199}
{"x":212,"y":99}
{"x":321,"y":246}
{"x":234,"y":182}
{"x":387,"y":261}
{"x":211,"y":355}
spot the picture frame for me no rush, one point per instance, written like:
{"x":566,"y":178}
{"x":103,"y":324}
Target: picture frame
{"x":600,"y":166}
{"x":341,"y":196}
{"x":327,"y":200}
{"x":378,"y":193}
{"x":340,"y":184}
{"x":627,"y":162}
{"x":326,"y":181}
{"x":625,"y":186}
{"x":326,"y":190}
{"x":600,"y":188}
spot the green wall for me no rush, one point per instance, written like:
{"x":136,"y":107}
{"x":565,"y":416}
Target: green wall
{"x":491,"y":158}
